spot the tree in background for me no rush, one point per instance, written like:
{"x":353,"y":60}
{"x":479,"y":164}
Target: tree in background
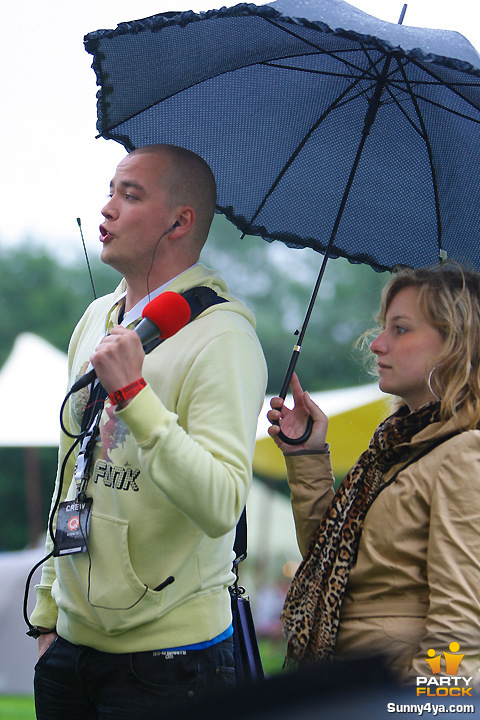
{"x":276,"y":282}
{"x":42,"y":294}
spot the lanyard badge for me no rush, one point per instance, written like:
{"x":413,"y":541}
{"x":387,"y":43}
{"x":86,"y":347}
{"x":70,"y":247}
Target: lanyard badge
{"x":73,"y":525}
{"x":73,"y":520}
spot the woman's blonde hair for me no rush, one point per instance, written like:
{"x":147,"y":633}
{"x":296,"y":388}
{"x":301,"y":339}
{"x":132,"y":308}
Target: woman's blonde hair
{"x":449,"y":298}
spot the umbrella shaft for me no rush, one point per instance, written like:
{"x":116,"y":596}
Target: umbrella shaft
{"x":370,"y":115}
{"x":288,"y":375}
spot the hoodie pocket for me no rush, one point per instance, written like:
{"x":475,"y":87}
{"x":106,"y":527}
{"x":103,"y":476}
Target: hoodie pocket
{"x":115,"y":593}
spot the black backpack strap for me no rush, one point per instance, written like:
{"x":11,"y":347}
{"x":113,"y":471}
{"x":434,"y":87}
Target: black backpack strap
{"x":199,"y":298}
{"x":240,"y":544}
{"x":240,"y":550}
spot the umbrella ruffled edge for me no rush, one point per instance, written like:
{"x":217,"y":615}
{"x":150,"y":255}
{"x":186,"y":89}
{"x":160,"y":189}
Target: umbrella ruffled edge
{"x":156,"y":23}
{"x":296,"y":241}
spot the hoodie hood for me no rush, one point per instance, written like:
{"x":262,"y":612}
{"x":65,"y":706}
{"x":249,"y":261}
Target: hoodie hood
{"x":199,"y":275}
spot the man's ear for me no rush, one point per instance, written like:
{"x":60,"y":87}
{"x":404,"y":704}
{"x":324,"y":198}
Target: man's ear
{"x":175,"y":224}
{"x":184,"y":222}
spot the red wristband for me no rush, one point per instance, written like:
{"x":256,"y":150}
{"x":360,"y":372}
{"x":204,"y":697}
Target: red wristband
{"x":127,"y":392}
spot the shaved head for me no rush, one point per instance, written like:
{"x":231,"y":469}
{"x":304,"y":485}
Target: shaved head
{"x":187,"y":180}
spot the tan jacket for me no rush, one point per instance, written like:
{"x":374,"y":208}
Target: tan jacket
{"x":415,"y":586}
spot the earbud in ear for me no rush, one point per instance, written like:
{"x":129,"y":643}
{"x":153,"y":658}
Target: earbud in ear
{"x":175,"y":224}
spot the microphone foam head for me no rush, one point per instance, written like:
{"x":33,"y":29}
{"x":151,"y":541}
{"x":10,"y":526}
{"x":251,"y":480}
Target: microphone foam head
{"x":169,"y":311}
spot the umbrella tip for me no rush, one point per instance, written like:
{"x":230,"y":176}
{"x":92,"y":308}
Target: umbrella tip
{"x":402,"y":14}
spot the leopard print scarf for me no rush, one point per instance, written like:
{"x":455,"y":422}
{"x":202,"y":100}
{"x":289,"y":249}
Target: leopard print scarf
{"x":312,"y":606}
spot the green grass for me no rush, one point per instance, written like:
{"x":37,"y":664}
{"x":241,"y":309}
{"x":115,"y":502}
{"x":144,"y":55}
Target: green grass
{"x":272,"y":653}
{"x":14,"y":707}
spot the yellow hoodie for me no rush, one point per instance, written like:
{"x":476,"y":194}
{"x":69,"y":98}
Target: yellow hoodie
{"x":169,"y":481}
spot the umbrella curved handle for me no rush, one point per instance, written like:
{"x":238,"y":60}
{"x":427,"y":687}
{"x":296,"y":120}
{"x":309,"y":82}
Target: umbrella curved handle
{"x":300,"y":440}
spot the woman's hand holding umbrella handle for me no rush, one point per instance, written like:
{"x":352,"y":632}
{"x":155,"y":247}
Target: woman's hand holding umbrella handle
{"x":288,"y":424}
{"x":298,"y":440}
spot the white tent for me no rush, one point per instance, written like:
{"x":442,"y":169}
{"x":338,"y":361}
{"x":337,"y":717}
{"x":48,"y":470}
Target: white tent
{"x":33,"y":383}
{"x":32,"y":386}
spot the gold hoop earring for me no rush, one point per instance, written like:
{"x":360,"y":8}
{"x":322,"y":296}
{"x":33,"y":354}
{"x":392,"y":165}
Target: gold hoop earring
{"x":429,"y":382}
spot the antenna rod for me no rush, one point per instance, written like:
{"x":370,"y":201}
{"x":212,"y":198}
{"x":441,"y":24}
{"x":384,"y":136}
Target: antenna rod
{"x":79,"y":223}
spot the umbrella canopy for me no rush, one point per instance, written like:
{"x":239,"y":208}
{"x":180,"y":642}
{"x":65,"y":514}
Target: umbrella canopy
{"x":278,"y":99}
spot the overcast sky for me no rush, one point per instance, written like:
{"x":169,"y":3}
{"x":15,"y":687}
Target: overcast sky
{"x":53,"y":168}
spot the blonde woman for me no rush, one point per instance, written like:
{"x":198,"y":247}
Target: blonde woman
{"x":391,"y":562}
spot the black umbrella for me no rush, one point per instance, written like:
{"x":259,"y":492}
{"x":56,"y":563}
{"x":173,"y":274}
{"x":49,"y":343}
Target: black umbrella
{"x":325,"y":127}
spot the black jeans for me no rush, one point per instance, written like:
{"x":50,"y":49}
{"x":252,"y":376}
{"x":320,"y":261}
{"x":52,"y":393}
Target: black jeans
{"x":78,"y":683}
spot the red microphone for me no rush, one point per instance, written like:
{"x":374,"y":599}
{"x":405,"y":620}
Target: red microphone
{"x":164,"y":316}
